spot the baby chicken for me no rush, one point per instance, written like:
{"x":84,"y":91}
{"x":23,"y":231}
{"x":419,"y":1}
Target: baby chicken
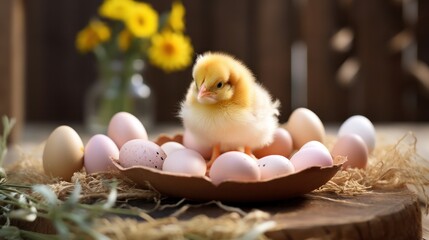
{"x":225,"y":108}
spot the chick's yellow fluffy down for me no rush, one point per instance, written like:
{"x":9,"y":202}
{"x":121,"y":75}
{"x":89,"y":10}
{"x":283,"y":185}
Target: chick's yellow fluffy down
{"x":225,"y":105}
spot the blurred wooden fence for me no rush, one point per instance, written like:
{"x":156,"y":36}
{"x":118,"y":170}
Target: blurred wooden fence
{"x":349,"y":57}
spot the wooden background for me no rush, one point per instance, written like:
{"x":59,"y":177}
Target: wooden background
{"x":261,"y":33}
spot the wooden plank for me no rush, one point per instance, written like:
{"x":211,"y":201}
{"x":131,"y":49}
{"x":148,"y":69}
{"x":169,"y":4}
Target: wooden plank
{"x":379,"y":93}
{"x":12,"y":62}
{"x":271,"y":54}
{"x":325,"y":96}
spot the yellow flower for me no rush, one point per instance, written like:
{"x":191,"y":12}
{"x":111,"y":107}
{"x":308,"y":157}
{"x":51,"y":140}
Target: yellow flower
{"x":142,"y":20}
{"x":92,"y":35}
{"x":177,"y":15}
{"x":115,"y":9}
{"x":170,"y":51}
{"x":124,"y":40}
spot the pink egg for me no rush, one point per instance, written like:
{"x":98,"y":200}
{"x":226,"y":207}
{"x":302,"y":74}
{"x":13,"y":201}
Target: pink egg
{"x":310,"y":157}
{"x":281,"y":145}
{"x":354,"y":148}
{"x":274,"y":166}
{"x":316,"y":144}
{"x":170,"y":147}
{"x":234,"y":166}
{"x":98,"y":153}
{"x":185,"y":161}
{"x":190,"y":142}
{"x":124,"y":127}
{"x":140,"y":152}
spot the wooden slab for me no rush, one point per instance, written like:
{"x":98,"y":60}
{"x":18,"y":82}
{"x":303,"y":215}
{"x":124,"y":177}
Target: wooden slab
{"x":382,"y":214}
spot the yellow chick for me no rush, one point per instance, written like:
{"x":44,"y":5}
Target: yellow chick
{"x":225,"y":108}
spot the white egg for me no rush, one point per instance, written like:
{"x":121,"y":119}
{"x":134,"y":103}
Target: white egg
{"x":170,"y":147}
{"x":185,"y":161}
{"x":361,"y":126}
{"x":304,"y":126}
{"x":274,"y":165}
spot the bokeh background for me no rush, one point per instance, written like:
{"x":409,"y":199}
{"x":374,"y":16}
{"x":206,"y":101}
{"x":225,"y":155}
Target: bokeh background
{"x":335,"y":57}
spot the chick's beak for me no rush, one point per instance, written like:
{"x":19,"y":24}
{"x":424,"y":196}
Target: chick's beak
{"x":205,"y":96}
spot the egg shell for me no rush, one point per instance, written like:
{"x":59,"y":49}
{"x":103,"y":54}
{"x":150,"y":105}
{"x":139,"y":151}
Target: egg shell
{"x":170,"y":147}
{"x":190,"y":142}
{"x":274,"y":166}
{"x":281,"y":145}
{"x":354,"y":148}
{"x":310,"y":157}
{"x":98,"y":153}
{"x":140,"y":152}
{"x":361,"y":126}
{"x":234,"y":166}
{"x":316,"y":144}
{"x":63,"y":153}
{"x":124,"y":127}
{"x":185,"y":161}
{"x":304,"y":126}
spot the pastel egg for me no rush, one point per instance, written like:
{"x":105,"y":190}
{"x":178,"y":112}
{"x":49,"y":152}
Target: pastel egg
{"x":234,"y":166}
{"x":354,"y":148}
{"x":63,"y":153}
{"x":281,"y":145}
{"x":190,"y":142}
{"x":311,"y":157}
{"x":361,"y":126}
{"x":99,"y":151}
{"x":140,"y":152}
{"x":185,"y":161}
{"x":316,"y":144}
{"x":170,"y":147}
{"x":124,"y":127}
{"x":274,"y":166}
{"x":304,"y":126}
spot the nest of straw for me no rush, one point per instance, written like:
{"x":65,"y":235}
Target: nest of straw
{"x":389,"y":167}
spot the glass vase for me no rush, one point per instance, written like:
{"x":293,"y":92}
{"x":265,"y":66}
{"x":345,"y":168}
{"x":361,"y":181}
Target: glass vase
{"x":120,"y":87}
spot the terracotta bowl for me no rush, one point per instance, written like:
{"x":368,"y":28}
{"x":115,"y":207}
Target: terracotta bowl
{"x":201,"y":188}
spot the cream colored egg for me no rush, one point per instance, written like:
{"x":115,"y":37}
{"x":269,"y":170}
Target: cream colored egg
{"x":304,"y":126}
{"x":63,"y":153}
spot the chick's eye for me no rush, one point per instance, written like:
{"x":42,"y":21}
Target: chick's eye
{"x":219,"y":85}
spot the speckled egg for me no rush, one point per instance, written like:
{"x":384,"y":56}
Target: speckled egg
{"x":139,"y":152}
{"x":274,"y":165}
{"x":63,"y":153}
{"x":185,"y":161}
{"x":234,"y":166}
{"x":124,"y":127}
{"x":98,"y":153}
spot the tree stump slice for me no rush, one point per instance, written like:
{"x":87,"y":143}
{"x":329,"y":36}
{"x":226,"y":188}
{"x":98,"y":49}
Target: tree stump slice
{"x":381,"y":214}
